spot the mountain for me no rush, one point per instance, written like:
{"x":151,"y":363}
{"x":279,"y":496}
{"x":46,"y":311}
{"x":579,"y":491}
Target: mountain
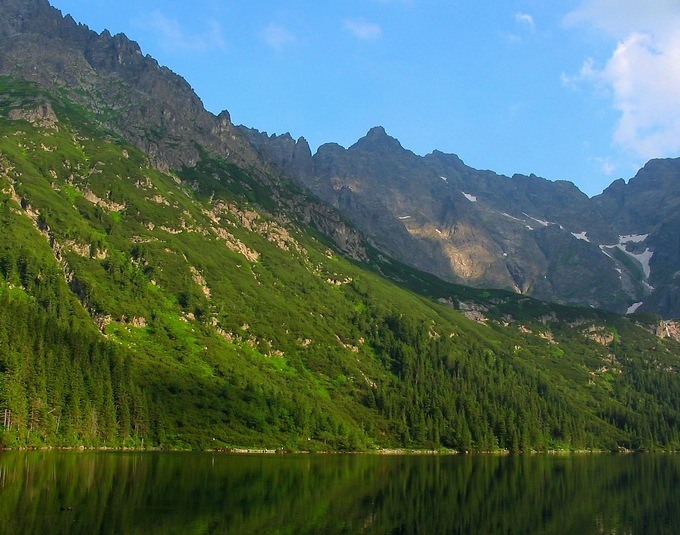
{"x":164,"y":283}
{"x":529,"y":235}
{"x":646,"y":212}
{"x":129,"y":92}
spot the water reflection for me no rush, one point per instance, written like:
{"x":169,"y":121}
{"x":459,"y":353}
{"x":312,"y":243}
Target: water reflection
{"x":107,"y":492}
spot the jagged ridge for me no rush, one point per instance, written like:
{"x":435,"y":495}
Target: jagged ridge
{"x":523,"y":233}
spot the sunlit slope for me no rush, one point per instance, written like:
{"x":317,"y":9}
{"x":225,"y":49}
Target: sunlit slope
{"x":200,"y":308}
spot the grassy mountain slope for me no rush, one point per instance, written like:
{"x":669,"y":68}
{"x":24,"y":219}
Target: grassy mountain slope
{"x":200,"y":309}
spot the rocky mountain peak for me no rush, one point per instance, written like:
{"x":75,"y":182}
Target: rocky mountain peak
{"x":658,"y":173}
{"x":153,"y":107}
{"x":302,"y":147}
{"x":618,"y":185}
{"x":224,"y":117}
{"x":437,"y":157}
{"x":286,"y":155}
{"x":650,"y":197}
{"x":377,"y":141}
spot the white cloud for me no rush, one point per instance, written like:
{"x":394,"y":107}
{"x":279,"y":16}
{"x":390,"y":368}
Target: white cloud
{"x":526,"y":20}
{"x":588,"y":72}
{"x":618,"y":18}
{"x":642,"y":75}
{"x":606,"y":165}
{"x":362,"y":29}
{"x":526,"y":24}
{"x":173,"y":36}
{"x":277,"y":36}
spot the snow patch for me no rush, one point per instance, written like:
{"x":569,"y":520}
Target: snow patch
{"x":604,"y":248}
{"x":644,"y":258}
{"x":469,"y":197}
{"x":438,"y":231}
{"x":541,"y":221}
{"x":632,"y":308}
{"x":632,"y":238}
{"x":581,"y":236}
{"x":512,"y":217}
{"x":444,"y":178}
{"x":402,"y":217}
{"x":530,"y":227}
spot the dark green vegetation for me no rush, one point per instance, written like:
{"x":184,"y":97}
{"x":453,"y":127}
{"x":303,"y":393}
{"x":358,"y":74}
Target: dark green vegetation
{"x":198,"y":493}
{"x":196,"y":309}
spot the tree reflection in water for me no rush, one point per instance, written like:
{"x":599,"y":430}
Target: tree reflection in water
{"x":120,"y":492}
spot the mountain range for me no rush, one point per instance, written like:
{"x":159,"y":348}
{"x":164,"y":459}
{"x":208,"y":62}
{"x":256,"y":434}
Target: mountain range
{"x":618,"y":250}
{"x":171,"y":280}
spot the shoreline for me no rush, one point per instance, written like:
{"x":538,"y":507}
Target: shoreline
{"x":378,"y":452}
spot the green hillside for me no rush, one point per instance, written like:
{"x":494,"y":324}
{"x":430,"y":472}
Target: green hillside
{"x":196,"y":309}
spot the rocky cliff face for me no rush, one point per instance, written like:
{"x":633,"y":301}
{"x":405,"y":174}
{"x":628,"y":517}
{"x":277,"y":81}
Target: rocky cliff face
{"x":283,"y":153}
{"x":617,"y":251}
{"x":131,"y":93}
{"x":646,"y":216}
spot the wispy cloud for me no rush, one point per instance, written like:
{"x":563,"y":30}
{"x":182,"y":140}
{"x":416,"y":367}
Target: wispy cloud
{"x":362,"y":29}
{"x":278,"y":36}
{"x":526,"y":24}
{"x":642,"y":75}
{"x":622,"y":17}
{"x":606,"y":165}
{"x":526,"y":21}
{"x":173,"y":36}
{"x":588,"y":72}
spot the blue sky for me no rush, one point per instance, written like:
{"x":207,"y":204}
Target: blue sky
{"x":581,"y":90}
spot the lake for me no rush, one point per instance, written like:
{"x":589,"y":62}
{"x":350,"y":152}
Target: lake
{"x":48,"y":492}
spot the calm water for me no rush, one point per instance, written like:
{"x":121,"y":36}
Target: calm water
{"x":107,"y":492}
